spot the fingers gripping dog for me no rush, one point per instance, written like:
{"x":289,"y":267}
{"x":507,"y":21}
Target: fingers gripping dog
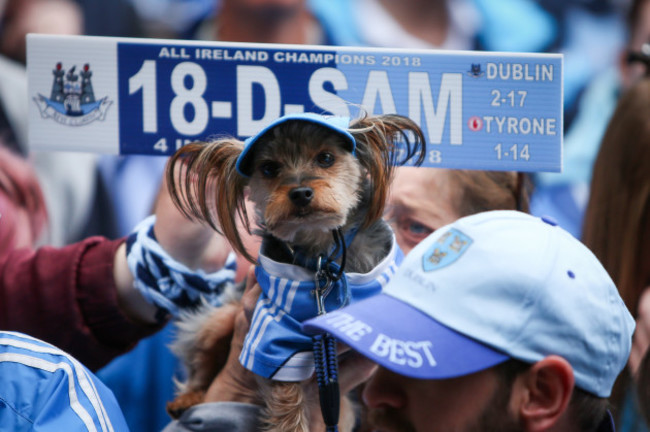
{"x":318,"y":185}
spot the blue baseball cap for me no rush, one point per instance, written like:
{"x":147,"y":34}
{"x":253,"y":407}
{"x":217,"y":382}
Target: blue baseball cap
{"x":337,"y":124}
{"x":488,"y":287}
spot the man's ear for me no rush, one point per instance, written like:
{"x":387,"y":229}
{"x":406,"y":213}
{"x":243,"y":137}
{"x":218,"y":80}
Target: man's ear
{"x":546,"y":390}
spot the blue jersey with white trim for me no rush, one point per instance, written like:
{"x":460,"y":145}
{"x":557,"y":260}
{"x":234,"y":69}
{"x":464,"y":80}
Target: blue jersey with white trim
{"x":45,"y":389}
{"x":275,"y":346}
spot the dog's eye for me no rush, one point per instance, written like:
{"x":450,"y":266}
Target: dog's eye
{"x":269,"y":169}
{"x":325,"y":160}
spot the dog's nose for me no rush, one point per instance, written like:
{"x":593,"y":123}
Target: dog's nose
{"x":301,"y":196}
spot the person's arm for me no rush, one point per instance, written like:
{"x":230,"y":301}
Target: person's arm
{"x":172,"y":262}
{"x":46,"y":389}
{"x":190,"y":243}
{"x":81,"y":297}
{"x":67,"y":296}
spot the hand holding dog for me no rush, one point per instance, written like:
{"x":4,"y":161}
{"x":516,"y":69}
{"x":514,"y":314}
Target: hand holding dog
{"x":237,"y":384}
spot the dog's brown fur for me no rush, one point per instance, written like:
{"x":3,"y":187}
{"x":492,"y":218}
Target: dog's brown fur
{"x":205,"y":352}
{"x":349,"y":191}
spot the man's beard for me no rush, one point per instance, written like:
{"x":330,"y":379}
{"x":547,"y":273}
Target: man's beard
{"x":389,"y":419}
{"x":494,"y":418}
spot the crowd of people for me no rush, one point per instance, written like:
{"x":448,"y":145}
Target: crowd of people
{"x":501,"y":337}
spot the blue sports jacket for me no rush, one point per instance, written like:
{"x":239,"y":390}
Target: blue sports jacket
{"x":45,"y":389}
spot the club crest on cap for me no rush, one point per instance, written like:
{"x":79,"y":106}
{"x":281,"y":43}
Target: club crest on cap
{"x":446,"y":250}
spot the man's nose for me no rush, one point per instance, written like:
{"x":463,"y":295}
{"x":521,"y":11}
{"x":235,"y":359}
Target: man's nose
{"x":382,"y":389}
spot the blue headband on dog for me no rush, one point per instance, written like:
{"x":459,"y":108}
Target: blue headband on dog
{"x":336,"y":124}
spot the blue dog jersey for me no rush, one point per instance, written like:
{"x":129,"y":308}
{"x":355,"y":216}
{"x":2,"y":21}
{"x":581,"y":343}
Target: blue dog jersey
{"x":275,"y":347}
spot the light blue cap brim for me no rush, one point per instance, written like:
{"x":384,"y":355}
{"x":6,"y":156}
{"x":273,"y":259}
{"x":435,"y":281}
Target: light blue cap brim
{"x":337,"y":124}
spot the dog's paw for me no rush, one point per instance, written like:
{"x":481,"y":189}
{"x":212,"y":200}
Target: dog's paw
{"x":184,"y":401}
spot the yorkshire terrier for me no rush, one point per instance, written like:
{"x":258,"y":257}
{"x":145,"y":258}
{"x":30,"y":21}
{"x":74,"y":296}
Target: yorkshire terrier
{"x":319,"y":186}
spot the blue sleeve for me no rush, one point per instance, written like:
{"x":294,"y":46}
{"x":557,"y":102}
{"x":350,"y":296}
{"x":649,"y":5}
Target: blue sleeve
{"x":44,"y":389}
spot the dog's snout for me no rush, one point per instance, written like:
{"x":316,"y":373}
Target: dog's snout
{"x":301,"y":196}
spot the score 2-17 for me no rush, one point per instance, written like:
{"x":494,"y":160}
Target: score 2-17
{"x":510,"y":98}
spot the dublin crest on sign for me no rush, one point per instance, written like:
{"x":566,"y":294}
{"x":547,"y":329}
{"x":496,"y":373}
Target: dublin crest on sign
{"x":72,"y":99}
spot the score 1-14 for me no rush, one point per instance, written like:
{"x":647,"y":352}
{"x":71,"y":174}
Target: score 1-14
{"x":514,"y":152}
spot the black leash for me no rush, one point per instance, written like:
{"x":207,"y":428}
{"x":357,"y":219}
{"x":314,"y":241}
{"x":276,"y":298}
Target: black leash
{"x":325,"y":359}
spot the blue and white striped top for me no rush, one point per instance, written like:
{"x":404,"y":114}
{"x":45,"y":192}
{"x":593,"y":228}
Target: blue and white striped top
{"x":45,"y":389}
{"x":275,"y":347}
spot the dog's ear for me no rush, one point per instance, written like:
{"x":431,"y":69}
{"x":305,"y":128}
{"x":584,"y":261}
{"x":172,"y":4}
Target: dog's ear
{"x":382,"y":142}
{"x":204,"y":184}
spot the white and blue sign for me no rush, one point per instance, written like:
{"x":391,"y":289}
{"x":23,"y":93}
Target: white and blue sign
{"x":478,"y":110}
